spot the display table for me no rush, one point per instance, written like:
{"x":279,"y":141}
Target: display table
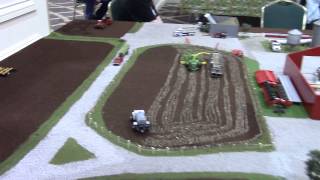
{"x":66,"y":56}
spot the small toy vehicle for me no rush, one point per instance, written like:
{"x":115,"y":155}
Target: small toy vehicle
{"x":216,"y":70}
{"x":118,"y":60}
{"x":237,"y":53}
{"x":216,"y":66}
{"x":184,"y":32}
{"x":122,"y":52}
{"x":139,"y":121}
{"x":275,"y":46}
{"x":4,"y":71}
{"x":203,"y":27}
{"x":101,"y":24}
{"x":220,"y":35}
{"x":192,"y":61}
{"x":318,"y":74}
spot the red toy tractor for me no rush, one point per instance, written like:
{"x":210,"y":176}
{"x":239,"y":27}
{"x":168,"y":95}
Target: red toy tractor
{"x":220,"y":35}
{"x":101,"y":24}
{"x":118,"y":60}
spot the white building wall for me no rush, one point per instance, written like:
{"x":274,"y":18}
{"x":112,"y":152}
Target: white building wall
{"x":22,"y":22}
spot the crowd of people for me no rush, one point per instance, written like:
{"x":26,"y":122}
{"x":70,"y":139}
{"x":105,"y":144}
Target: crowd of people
{"x":145,"y":11}
{"x":313,"y":10}
{"x":122,"y":10}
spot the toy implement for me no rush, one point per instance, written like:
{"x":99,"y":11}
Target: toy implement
{"x":4,"y":71}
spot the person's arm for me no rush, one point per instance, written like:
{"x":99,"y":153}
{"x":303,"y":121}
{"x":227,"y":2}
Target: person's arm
{"x":313,"y":10}
{"x":142,"y":10}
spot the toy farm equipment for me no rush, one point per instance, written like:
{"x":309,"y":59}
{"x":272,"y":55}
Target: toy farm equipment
{"x":118,"y":60}
{"x":4,"y":71}
{"x":101,"y":24}
{"x":273,"y":91}
{"x":185,"y":31}
{"x":192,"y":61}
{"x":122,"y":52}
{"x":216,"y":65}
{"x":317,"y":74}
{"x":222,"y":35}
{"x":139,"y":121}
{"x":237,"y":53}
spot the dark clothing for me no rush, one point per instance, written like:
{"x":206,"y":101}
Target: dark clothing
{"x":100,"y":13}
{"x":133,"y":10}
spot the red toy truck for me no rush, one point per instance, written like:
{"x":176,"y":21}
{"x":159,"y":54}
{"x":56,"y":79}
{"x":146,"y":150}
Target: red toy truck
{"x":101,"y":24}
{"x":118,"y":60}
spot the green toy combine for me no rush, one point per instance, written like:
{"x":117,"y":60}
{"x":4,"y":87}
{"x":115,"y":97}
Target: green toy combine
{"x":193,"y":61}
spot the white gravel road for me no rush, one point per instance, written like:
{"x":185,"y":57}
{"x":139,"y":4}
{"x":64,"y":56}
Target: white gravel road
{"x":293,"y":138}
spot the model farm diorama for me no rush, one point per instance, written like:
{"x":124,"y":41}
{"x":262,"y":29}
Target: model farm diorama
{"x":189,"y":101}
{"x":170,"y":99}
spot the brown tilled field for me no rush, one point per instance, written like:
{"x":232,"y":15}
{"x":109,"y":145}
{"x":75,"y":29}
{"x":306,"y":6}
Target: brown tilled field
{"x":48,"y":72}
{"x":185,"y":108}
{"x":86,"y":28}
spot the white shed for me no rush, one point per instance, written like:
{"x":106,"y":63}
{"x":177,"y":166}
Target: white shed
{"x":22,"y":22}
{"x":294,"y":37}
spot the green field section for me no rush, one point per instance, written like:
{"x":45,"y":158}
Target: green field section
{"x":187,"y":175}
{"x":71,"y":151}
{"x":285,"y":47}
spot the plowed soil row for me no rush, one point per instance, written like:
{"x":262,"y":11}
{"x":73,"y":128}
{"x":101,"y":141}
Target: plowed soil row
{"x":48,"y":71}
{"x":86,"y":28}
{"x":185,"y":108}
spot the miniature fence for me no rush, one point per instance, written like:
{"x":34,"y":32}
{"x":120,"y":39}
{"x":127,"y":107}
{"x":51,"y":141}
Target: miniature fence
{"x":184,"y":150}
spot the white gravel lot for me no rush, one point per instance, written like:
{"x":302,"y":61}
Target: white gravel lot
{"x":293,"y":138}
{"x":270,"y":61}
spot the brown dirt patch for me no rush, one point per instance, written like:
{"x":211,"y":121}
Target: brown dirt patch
{"x":185,"y":108}
{"x":86,"y":28}
{"x":48,"y":71}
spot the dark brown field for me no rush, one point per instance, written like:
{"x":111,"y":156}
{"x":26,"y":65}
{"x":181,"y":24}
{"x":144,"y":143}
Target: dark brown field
{"x":86,"y":28}
{"x":48,"y":71}
{"x":185,"y":108}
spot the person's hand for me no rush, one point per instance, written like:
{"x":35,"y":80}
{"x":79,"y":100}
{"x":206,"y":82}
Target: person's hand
{"x":157,"y":20}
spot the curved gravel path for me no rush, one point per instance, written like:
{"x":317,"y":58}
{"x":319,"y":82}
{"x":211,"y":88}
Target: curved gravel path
{"x":293,"y":138}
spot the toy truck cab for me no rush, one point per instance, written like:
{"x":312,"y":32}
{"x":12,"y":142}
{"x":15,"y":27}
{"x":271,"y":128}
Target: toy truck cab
{"x":237,"y":53}
{"x":184,"y":32}
{"x":220,"y":35}
{"x":139,"y":121}
{"x":118,"y":60}
{"x":275,"y":46}
{"x":101,"y":24}
{"x":124,"y":50}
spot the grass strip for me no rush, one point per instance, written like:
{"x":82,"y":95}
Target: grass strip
{"x":285,"y":48}
{"x":136,"y":27}
{"x":191,"y":175}
{"x":71,"y":151}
